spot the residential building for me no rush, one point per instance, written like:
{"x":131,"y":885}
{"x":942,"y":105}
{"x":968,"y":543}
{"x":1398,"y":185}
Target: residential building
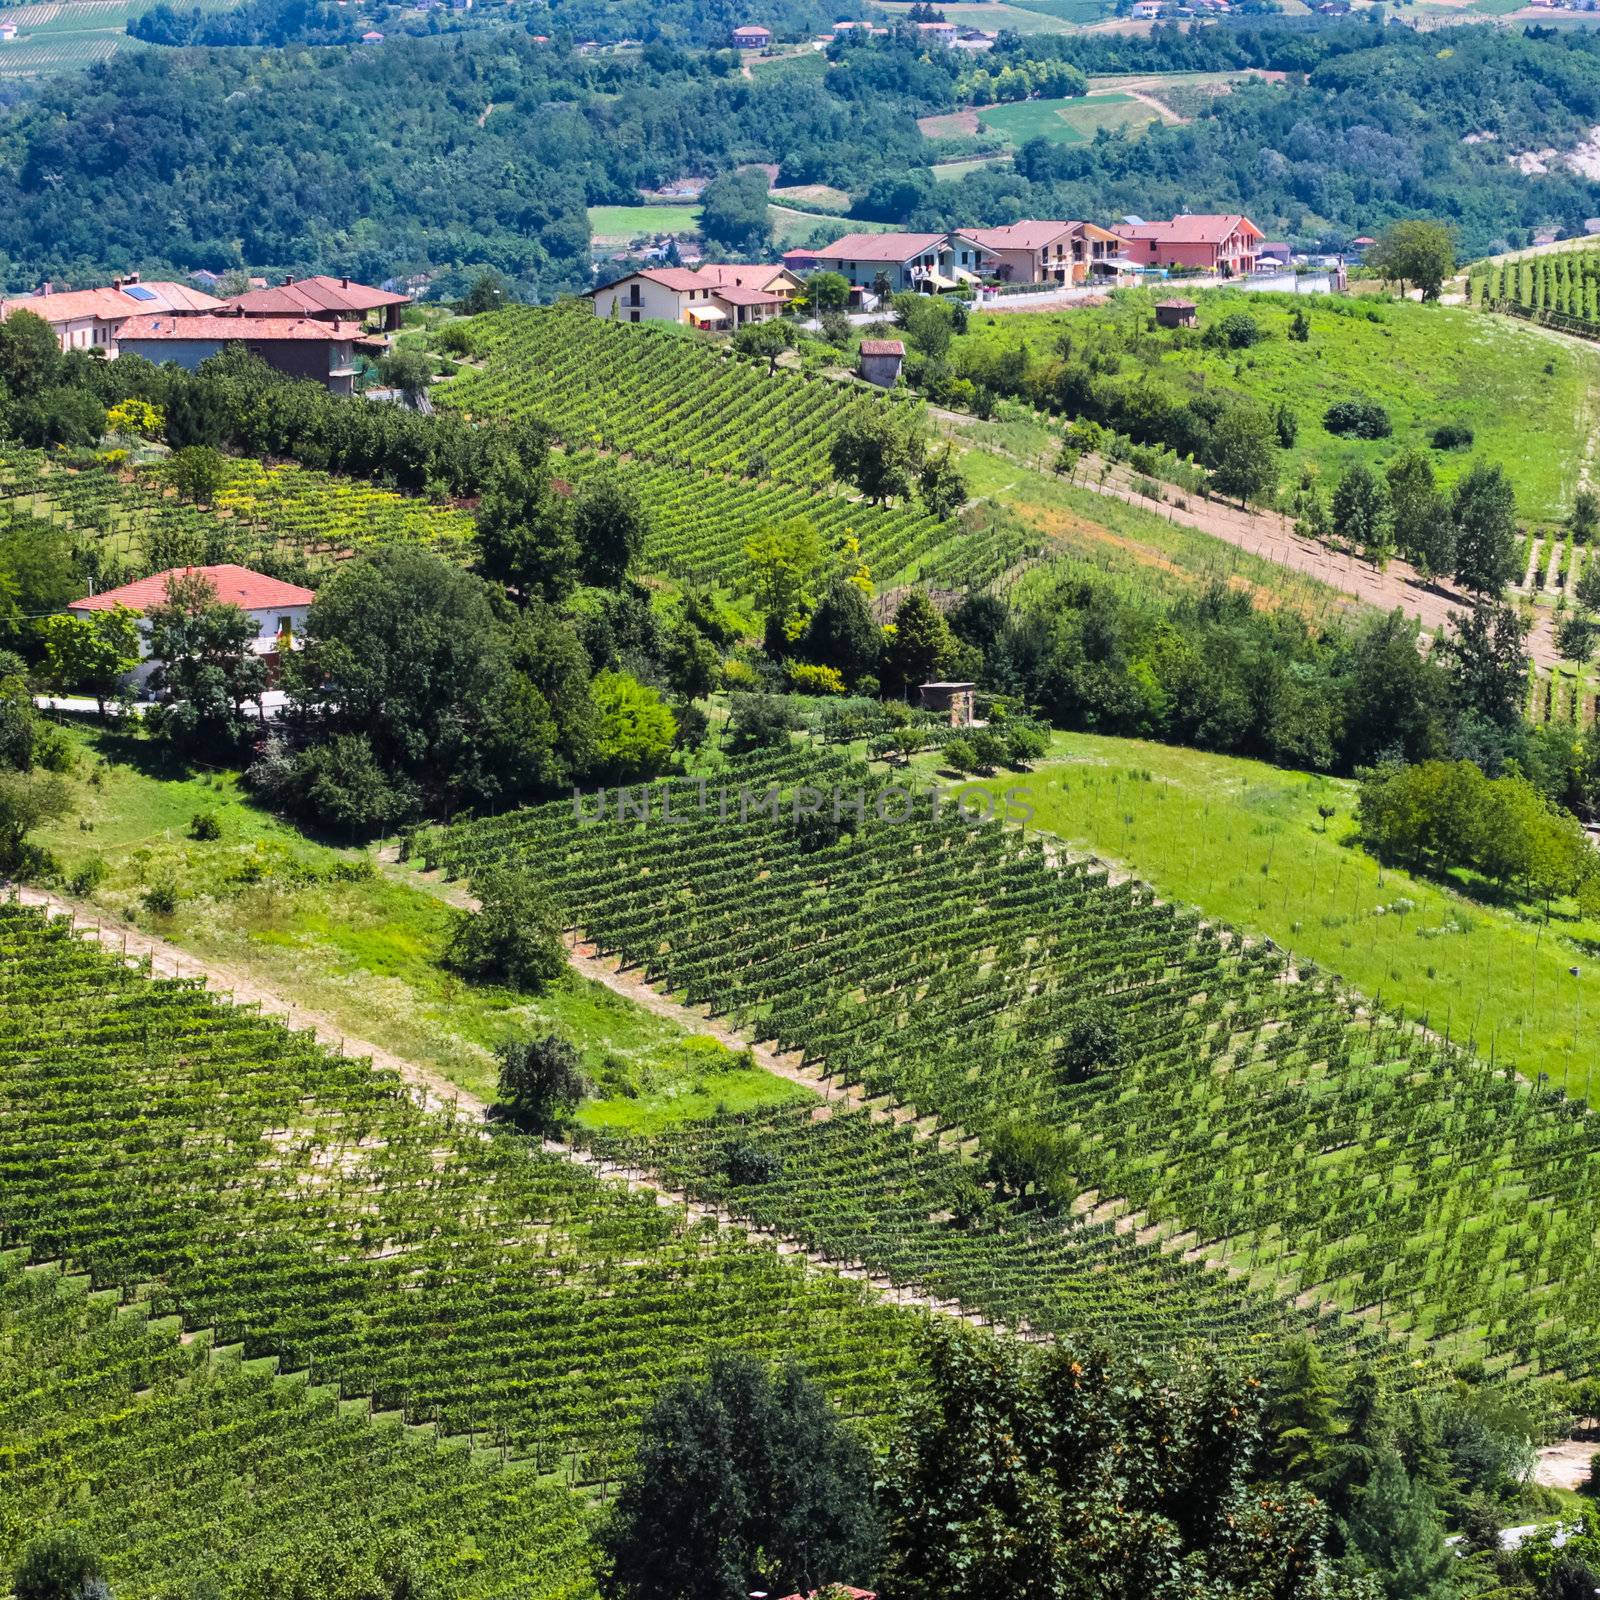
{"x":1278,"y":251}
{"x":939,"y":33}
{"x":8,"y":31}
{"x":1221,"y":245}
{"x":323,"y":299}
{"x":799,"y":260}
{"x":1145,"y":10}
{"x":905,"y":260}
{"x":278,"y":610}
{"x":1040,"y":252}
{"x":714,"y":296}
{"x":880,"y":361}
{"x":372,"y":36}
{"x":751,"y":36}
{"x":298,"y":347}
{"x":88,"y":319}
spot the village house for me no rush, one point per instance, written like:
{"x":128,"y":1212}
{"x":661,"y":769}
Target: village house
{"x":1146,"y":10}
{"x":880,"y":361}
{"x":1041,"y":252}
{"x":903,"y":260}
{"x":298,"y":347}
{"x":939,"y":33}
{"x":323,"y":299}
{"x":8,"y":31}
{"x":751,"y":36}
{"x":89,"y":319}
{"x":1220,"y":245}
{"x":278,"y":610}
{"x":717,"y":297}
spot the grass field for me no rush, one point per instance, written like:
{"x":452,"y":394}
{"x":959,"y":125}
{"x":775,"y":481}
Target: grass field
{"x":1244,"y":843}
{"x":362,"y":948}
{"x":949,"y":171}
{"x":1067,"y":121}
{"x":995,"y":18}
{"x":1529,"y":400}
{"x":623,"y":224}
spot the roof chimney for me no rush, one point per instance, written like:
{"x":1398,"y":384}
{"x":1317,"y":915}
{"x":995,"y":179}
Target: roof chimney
{"x":116,"y":283}
{"x":288,"y":280}
{"x":344,"y":283}
{"x":44,"y":288}
{"x":133,"y":277}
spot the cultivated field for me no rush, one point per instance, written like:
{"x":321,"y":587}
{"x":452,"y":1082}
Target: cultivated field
{"x":1068,"y":121}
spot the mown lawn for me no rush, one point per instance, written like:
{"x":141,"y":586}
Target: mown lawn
{"x":1244,"y":842}
{"x":623,"y":223}
{"x":1529,"y":400}
{"x":324,"y":925}
{"x":1067,"y":121}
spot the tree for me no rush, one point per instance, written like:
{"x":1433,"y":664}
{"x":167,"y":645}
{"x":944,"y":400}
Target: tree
{"x":514,"y":937}
{"x":691,"y":661}
{"x":340,"y":782}
{"x":943,"y":488}
{"x":30,"y":355}
{"x":609,"y":527}
{"x":1575,"y":638}
{"x":786,"y":561}
{"x":1361,"y":512}
{"x":765,"y":340}
{"x":879,"y":451}
{"x":26,"y":800}
{"x":205,"y":670}
{"x":92,"y":653}
{"x":541,"y":1082}
{"x":1419,"y":253}
{"x":197,"y":472}
{"x":636,"y":731}
{"x":487,"y":292}
{"x":1300,"y":1414}
{"x":1587,"y":589}
{"x":734,"y":214}
{"x":741,"y":1482}
{"x":1483,"y":508}
{"x":842,"y":633}
{"x":1245,"y":446}
{"x":1418,"y":511}
{"x":921,"y":643}
{"x":1395,"y":1534}
{"x":1094,"y":1041}
{"x":1583,"y":522}
{"x":59,"y":1566}
{"x":525,"y":535}
{"x":827,"y":291}
{"x":64,"y":415}
{"x":409,"y":371}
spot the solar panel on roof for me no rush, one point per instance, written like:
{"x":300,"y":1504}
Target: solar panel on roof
{"x":137,"y":291}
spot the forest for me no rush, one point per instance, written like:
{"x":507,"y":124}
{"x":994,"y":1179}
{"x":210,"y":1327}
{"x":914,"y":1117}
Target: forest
{"x":175,"y":161}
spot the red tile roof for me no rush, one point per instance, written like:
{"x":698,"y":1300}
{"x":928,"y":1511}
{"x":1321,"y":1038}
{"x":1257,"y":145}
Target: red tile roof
{"x":315,"y":297}
{"x":109,"y":304}
{"x":747,"y":297}
{"x":1189,"y":230}
{"x":888,"y":247}
{"x":882,"y":347}
{"x":719,"y":274}
{"x":228,"y":328}
{"x":235,"y":586}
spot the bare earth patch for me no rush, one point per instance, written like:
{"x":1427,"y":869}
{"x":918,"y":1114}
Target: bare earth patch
{"x":1565,"y":1465}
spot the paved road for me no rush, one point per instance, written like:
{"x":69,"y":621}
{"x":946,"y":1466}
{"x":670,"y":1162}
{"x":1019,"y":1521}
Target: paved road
{"x":272,"y":705}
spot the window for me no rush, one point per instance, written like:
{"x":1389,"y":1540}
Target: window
{"x":633,"y":298}
{"x":633,"y":316}
{"x":285,"y":627}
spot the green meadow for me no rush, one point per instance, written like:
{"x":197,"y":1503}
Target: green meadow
{"x":1530,"y":400}
{"x":1074,"y":120}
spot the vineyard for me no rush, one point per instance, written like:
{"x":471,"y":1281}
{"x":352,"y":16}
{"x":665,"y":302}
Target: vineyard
{"x":202,"y":1162}
{"x":1562,"y":289}
{"x":131,"y":524}
{"x":1248,"y":1110}
{"x":715,"y":446}
{"x":181,"y":1460}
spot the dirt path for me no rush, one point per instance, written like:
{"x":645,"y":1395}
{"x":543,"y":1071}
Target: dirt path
{"x":1565,"y":1465}
{"x":1161,"y":109}
{"x":437,"y":1093}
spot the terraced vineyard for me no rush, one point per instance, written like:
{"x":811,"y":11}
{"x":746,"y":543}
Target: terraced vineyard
{"x":181,"y":1461}
{"x":716,"y":447}
{"x":132,"y":525}
{"x":1255,"y":1113}
{"x":205,"y":1162}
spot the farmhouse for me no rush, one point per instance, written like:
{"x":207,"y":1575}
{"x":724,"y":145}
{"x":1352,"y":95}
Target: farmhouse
{"x":298,"y":347}
{"x":750,"y":36}
{"x":278,"y":610}
{"x":718,"y":297}
{"x":1175,"y":313}
{"x":904,"y":260}
{"x":880,"y":361}
{"x":8,"y":31}
{"x":88,"y":319}
{"x":939,"y":33}
{"x":323,"y":299}
{"x":1042,"y":252}
{"x":1224,"y":245}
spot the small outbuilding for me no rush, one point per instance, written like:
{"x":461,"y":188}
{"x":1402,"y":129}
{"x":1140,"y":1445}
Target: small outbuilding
{"x":952,"y":700}
{"x":1175,"y":313}
{"x":880,"y":361}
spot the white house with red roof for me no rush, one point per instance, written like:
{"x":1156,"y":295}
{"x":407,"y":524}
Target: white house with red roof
{"x":1038,"y":252}
{"x":1224,"y":246}
{"x":715,"y":297}
{"x":278,"y":609}
{"x":906,"y":260}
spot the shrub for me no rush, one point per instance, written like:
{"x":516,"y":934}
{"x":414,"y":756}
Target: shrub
{"x":515,"y":935}
{"x":161,"y":898}
{"x":806,"y":677}
{"x":959,"y":756}
{"x":1358,"y":419}
{"x":1025,"y":743}
{"x":747,"y":1164}
{"x":1452,"y":436}
{"x":989,"y":748}
{"x":1238,"y":331}
{"x":58,"y":1567}
{"x":541,"y":1082}
{"x":204,"y":825}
